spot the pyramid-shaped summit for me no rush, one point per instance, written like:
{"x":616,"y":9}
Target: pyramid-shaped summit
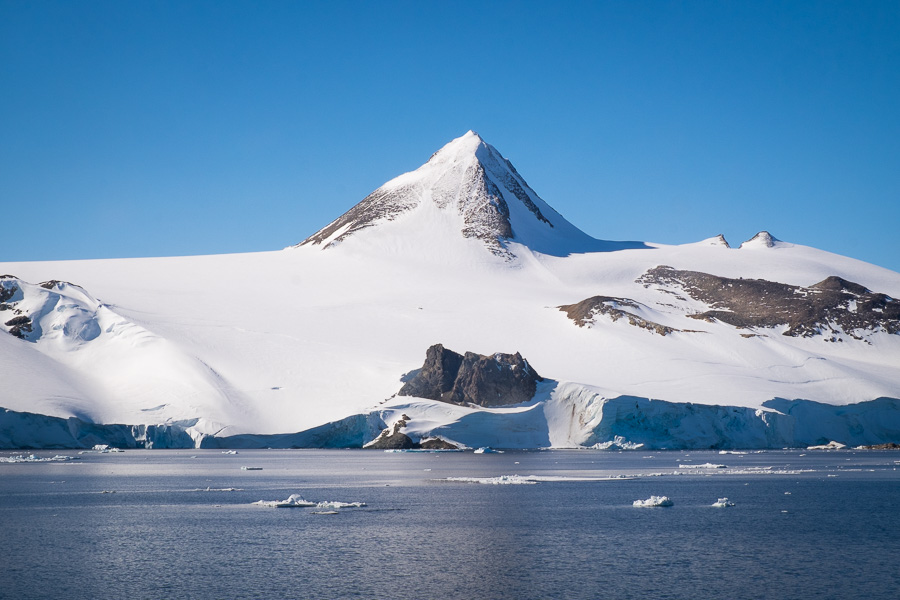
{"x":470,"y":180}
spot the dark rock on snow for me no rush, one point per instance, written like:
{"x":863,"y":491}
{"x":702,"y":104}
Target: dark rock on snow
{"x":496,"y":380}
{"x":393,"y":438}
{"x":583,"y":313}
{"x":19,"y":326}
{"x":831,"y":306}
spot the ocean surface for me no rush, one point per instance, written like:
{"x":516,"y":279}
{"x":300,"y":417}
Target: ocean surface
{"x":167,"y":524}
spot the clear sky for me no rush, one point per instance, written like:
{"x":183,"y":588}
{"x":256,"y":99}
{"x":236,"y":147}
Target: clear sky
{"x":166,"y":128}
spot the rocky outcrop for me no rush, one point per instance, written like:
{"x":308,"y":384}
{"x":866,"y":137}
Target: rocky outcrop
{"x":437,"y":443}
{"x":832,"y":306}
{"x":888,"y":446}
{"x":583,"y":313}
{"x":393,"y":439}
{"x":496,"y":380}
{"x":19,"y":326}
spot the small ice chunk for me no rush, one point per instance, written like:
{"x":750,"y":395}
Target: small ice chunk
{"x":722,"y":503}
{"x":487,"y":450}
{"x":617,"y":443}
{"x":337,"y":505}
{"x":703,"y":466}
{"x":251,"y":469}
{"x":654,"y":501}
{"x":229,"y":451}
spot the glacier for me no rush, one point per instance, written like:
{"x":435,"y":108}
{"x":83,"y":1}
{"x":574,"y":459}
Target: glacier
{"x":308,"y":346}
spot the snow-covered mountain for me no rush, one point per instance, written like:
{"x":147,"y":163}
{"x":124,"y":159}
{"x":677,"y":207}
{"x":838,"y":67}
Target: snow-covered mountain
{"x":472,"y":191}
{"x":696,"y":345}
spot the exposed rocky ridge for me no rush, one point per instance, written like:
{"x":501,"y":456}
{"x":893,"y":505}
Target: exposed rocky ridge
{"x":381,"y":205}
{"x":830,"y":307}
{"x":583,"y":313}
{"x":496,"y":380}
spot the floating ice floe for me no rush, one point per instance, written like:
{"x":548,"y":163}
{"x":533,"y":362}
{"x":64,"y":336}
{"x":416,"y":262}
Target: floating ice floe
{"x":31,"y":458}
{"x":101,"y":449}
{"x":251,"y":469}
{"x":654,"y":501}
{"x":730,"y":452}
{"x":486,"y":450}
{"x":501,"y":480}
{"x":703,"y":466}
{"x":337,"y":505}
{"x":530,"y":479}
{"x":832,"y":445}
{"x":297,"y":501}
{"x":229,"y":451}
{"x":722,"y":503}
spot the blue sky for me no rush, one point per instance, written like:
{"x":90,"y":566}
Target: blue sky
{"x":170,"y":128}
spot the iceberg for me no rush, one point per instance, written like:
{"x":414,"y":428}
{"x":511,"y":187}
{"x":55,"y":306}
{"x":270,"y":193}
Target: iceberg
{"x":832,"y":445}
{"x":297,"y":501}
{"x":293,"y":501}
{"x":722,"y":503}
{"x":703,"y":466}
{"x":654,"y":501}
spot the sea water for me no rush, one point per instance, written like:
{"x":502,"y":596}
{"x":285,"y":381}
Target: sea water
{"x":512,"y":525}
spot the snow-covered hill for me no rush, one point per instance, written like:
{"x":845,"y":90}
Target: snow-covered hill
{"x":318,"y":337}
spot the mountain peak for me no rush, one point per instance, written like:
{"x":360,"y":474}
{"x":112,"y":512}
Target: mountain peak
{"x":763,"y":239}
{"x":477,"y":191}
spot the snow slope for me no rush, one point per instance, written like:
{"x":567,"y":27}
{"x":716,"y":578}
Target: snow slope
{"x":284,"y":341}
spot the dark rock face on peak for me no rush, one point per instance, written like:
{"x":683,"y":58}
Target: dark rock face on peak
{"x":763,"y":238}
{"x":832,"y":306}
{"x":436,"y":376}
{"x":496,"y":380}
